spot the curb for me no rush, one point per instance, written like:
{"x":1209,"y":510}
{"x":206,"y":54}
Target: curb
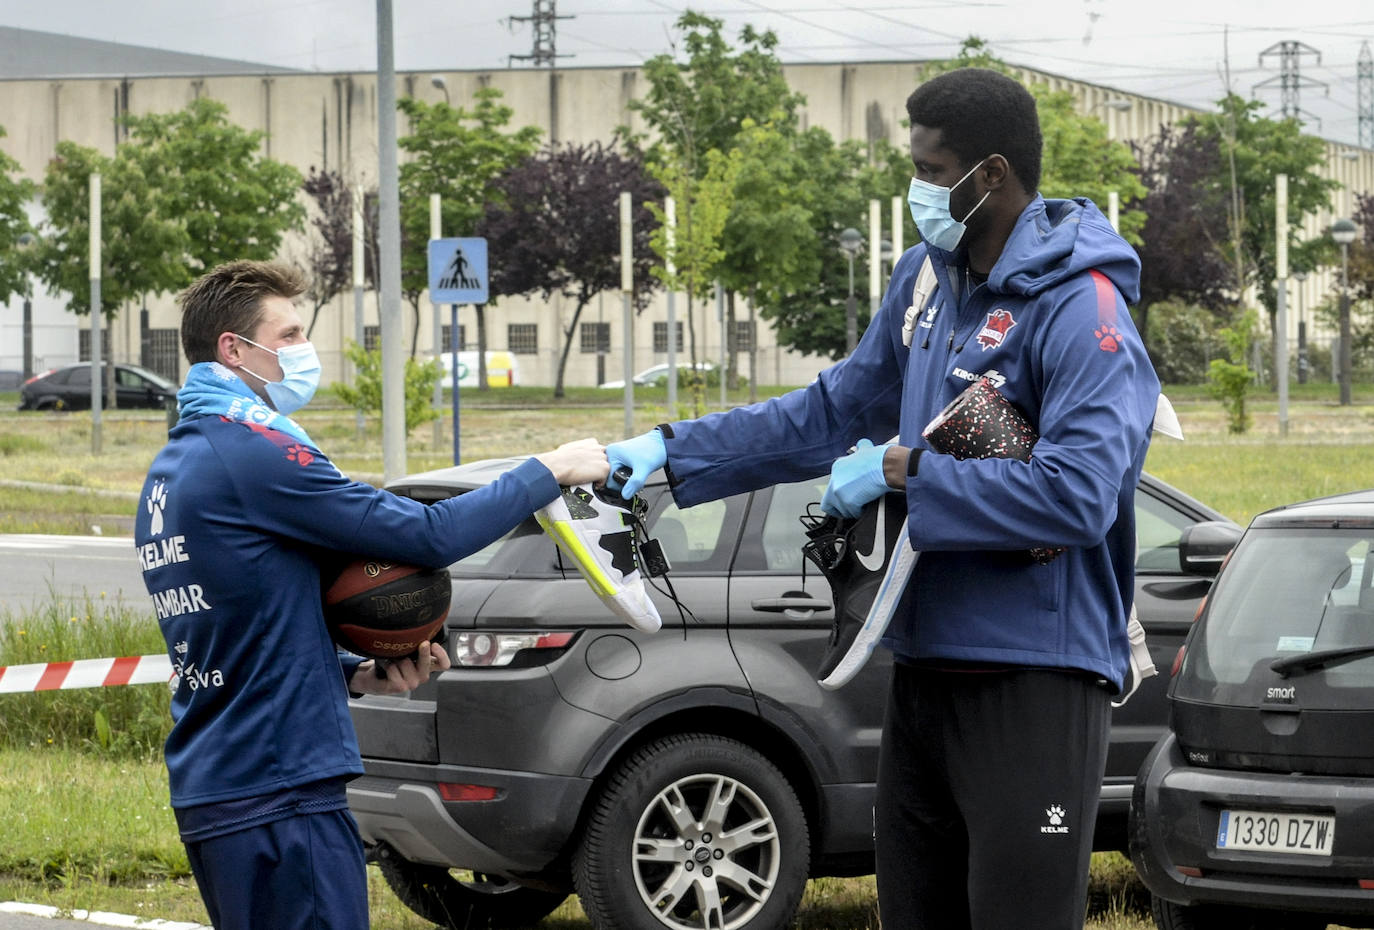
{"x":103,"y":918}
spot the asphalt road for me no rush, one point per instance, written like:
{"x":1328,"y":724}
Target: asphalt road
{"x":36,"y":567}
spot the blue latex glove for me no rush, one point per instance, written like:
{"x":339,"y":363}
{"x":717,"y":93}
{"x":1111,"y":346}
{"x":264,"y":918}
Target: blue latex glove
{"x":643,"y":455}
{"x":855,"y":479}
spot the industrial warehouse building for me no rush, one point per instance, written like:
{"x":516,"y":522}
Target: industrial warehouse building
{"x":329,"y":121}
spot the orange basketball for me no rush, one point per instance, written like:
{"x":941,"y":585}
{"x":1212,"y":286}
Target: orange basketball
{"x":384,"y":610}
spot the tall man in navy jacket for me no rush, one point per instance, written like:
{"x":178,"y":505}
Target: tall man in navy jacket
{"x":996,"y":729}
{"x":239,"y":511}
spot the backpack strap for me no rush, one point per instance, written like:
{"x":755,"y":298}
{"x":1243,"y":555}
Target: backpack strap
{"x":920,"y":294}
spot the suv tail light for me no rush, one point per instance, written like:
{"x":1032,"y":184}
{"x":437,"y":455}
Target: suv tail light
{"x":481,"y":649}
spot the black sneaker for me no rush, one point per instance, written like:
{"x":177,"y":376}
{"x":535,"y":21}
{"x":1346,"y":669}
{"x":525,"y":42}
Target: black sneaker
{"x":853,"y":555}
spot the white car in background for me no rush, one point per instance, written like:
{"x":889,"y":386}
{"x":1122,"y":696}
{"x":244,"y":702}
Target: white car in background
{"x":655,"y":374}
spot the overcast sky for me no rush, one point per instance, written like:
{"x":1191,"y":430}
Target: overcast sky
{"x":1174,"y":49}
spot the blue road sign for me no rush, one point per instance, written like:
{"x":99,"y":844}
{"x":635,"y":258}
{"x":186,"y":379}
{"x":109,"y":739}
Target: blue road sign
{"x":458,"y":271}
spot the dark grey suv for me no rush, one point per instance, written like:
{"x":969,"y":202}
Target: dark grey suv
{"x":1257,"y":808}
{"x":691,"y":778}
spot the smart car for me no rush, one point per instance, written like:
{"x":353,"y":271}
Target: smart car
{"x":1257,"y":807}
{"x":695,"y":777}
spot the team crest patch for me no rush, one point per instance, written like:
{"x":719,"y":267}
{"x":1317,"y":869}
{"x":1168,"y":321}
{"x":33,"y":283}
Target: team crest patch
{"x":995,"y":329}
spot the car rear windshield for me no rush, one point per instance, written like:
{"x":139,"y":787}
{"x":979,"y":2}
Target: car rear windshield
{"x":1288,"y":592}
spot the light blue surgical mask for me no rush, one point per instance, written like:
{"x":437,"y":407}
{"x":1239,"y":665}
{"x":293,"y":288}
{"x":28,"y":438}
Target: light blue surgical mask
{"x":929,"y":205}
{"x":300,"y":375}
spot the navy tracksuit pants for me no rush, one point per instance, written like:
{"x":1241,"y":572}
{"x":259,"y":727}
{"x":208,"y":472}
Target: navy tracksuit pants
{"x":988,"y":785}
{"x":304,"y":872}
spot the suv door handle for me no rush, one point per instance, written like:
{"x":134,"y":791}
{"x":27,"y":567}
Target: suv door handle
{"x":778,"y":605}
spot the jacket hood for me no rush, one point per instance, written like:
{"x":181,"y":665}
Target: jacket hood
{"x":1056,"y":239}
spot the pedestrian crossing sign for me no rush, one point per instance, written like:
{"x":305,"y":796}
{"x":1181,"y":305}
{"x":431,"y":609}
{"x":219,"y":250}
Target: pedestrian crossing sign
{"x":458,"y":271}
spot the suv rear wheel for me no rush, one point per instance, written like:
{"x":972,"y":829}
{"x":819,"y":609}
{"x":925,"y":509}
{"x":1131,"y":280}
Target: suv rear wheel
{"x":1171,"y":916}
{"x":441,"y":897}
{"x":694,"y":832}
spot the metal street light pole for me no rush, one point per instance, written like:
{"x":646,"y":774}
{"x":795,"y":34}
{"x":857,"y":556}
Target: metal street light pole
{"x":27,"y":243}
{"x":850,"y":242}
{"x":1343,"y":231}
{"x":1300,"y":277}
{"x":439,"y":82}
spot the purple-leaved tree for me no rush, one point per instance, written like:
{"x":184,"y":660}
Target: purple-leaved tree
{"x":559,"y":230}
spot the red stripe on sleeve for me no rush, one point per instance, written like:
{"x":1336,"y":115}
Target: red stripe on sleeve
{"x":53,"y":676}
{"x":1106,"y":297}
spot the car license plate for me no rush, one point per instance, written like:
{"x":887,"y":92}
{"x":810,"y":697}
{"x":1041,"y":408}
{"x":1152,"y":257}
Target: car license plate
{"x":1309,"y":834}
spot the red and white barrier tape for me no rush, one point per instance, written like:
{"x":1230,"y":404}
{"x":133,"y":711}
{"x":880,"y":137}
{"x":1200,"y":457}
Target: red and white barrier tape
{"x":86,"y":673}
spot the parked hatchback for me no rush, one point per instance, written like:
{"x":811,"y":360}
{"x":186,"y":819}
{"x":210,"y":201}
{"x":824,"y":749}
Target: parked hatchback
{"x":691,"y":778}
{"x":69,"y":388}
{"x":1257,"y":808}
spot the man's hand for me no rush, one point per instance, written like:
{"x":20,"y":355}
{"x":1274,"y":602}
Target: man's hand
{"x":855,"y":479}
{"x":582,"y":461}
{"x":643,"y":455}
{"x":401,"y":674}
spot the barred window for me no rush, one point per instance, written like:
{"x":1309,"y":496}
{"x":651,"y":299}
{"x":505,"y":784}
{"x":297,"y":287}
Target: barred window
{"x":83,"y":347}
{"x":164,"y":353}
{"x":523,"y":338}
{"x":744,"y":335}
{"x":661,"y":336}
{"x":372,"y":337}
{"x":446,"y":333}
{"x":596,"y":337}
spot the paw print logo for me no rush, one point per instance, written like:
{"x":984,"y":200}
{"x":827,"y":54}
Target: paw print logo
{"x":1056,"y":814}
{"x":1108,"y":338}
{"x":299,"y":454}
{"x":156,"y":502}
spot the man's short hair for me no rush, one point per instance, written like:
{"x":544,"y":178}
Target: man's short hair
{"x":980,"y":113}
{"x":229,"y":299}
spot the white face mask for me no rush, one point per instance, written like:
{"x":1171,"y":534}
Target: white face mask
{"x":929,"y":205}
{"x":300,"y":375}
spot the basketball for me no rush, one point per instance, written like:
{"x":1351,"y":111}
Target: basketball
{"x":385,"y":610}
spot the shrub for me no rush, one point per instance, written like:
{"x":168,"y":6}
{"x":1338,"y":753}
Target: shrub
{"x":365,"y":395}
{"x":1231,"y":379}
{"x":1182,"y":342}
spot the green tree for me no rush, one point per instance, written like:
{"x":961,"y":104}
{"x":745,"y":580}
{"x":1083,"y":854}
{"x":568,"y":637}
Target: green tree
{"x":701,"y":206}
{"x":15,"y":191}
{"x":836,"y":181}
{"x":1080,"y":161}
{"x":769,"y":241}
{"x":703,"y":97}
{"x":699,"y":102}
{"x":233,"y":202}
{"x":142,"y":250}
{"x":1255,"y":150}
{"x":459,"y":154}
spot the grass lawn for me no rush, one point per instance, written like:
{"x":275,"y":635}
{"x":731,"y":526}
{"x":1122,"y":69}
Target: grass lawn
{"x":92,"y":833}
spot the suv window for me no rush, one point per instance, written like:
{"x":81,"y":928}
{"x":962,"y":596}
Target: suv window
{"x":783,"y":534}
{"x":1287,"y":592}
{"x":1158,"y":528}
{"x":689,"y":537}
